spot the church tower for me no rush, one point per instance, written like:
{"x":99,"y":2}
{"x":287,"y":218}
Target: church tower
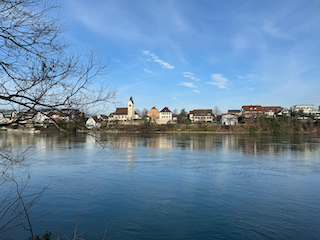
{"x":130,"y":109}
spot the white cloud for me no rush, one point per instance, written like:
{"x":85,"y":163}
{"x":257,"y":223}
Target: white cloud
{"x":187,"y":84}
{"x":196,"y":91}
{"x":218,"y":80}
{"x":147,"y":71}
{"x":191,"y":76}
{"x":156,"y":59}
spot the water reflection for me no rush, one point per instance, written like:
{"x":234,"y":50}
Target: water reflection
{"x":297,"y":145}
{"x":201,"y":182}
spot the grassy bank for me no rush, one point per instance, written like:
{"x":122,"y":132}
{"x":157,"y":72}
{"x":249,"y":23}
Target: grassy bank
{"x":258,"y":125}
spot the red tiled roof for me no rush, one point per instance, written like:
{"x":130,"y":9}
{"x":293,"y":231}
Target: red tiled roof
{"x":247,"y":108}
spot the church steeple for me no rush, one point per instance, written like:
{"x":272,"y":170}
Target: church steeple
{"x":130,"y":109}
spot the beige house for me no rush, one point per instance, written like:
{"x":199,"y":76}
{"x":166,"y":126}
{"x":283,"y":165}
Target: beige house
{"x":153,"y":113}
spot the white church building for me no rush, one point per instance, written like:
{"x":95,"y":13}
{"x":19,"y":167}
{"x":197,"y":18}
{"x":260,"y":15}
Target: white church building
{"x":125,"y":114}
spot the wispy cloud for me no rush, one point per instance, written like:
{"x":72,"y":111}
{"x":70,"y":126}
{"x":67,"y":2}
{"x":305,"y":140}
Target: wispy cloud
{"x":218,"y":80}
{"x":187,"y":84}
{"x":147,"y":71}
{"x":191,"y":76}
{"x":156,"y":59}
{"x":270,"y":28}
{"x":196,"y":91}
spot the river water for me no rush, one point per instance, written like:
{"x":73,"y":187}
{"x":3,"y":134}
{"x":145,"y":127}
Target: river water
{"x":173,"y":186}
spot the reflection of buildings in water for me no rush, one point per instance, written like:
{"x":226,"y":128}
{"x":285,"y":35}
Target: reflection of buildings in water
{"x":295,"y":146}
{"x":230,"y":142}
{"x":307,"y":150}
{"x":201,"y":142}
{"x":165,"y":142}
{"x":92,"y":140}
{"x":250,"y":147}
{"x":161,"y":141}
{"x":130,"y":155}
{"x":122,"y":141}
{"x":16,"y":140}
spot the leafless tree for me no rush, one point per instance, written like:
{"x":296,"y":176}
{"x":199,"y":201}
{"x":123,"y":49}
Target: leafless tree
{"x":144,"y":112}
{"x":216,"y":111}
{"x":38,"y":69}
{"x":138,"y":112}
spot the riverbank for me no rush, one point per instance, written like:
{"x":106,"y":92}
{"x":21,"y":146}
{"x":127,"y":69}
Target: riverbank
{"x":209,"y":128}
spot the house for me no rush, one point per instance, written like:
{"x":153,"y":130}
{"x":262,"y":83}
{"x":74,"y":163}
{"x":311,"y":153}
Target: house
{"x":9,"y":115}
{"x":125,"y":114}
{"x":93,"y":123}
{"x":201,"y":115}
{"x":102,"y":117}
{"x":307,"y":109}
{"x":165,"y":116}
{"x":271,"y":111}
{"x":283,"y":112}
{"x":229,"y":119}
{"x":234,"y":112}
{"x":153,"y":113}
{"x":251,"y":110}
{"x":25,"y":115}
{"x":56,"y":116}
{"x":40,"y":117}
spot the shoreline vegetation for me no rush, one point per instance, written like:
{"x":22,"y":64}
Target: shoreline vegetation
{"x":250,"y":126}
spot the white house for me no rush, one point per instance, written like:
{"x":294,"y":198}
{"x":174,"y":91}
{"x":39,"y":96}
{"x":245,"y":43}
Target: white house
{"x":40,"y":117}
{"x":229,"y":119}
{"x":283,"y":112}
{"x":93,"y":123}
{"x":165,"y":116}
{"x":307,"y":109}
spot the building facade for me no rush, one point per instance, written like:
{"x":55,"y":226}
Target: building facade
{"x":307,"y":109}
{"x":124,"y":114}
{"x":271,"y":111}
{"x":201,"y":115}
{"x":251,"y":111}
{"x":229,"y":119}
{"x":153,"y":113}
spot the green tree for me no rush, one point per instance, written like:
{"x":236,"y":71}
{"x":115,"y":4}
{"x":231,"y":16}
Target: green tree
{"x":183,"y":113}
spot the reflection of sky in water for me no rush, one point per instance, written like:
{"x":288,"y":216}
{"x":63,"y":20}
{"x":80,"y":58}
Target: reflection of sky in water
{"x":180,"y":186}
{"x":304,"y":147}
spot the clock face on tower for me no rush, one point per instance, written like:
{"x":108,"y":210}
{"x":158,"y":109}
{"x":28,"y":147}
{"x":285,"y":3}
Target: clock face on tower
{"x":129,"y":105}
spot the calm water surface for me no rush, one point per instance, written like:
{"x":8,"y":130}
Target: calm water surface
{"x":175,"y":186}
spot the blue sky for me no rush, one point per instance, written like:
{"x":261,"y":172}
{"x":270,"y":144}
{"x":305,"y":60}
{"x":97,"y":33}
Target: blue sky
{"x":201,"y":54}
